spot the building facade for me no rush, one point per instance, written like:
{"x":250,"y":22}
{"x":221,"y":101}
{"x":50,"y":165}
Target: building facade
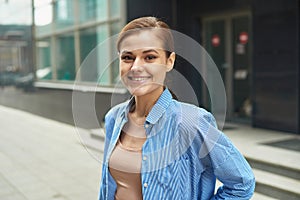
{"x":15,"y":49}
{"x":257,"y":54}
{"x":66,"y":31}
{"x":254,"y":44}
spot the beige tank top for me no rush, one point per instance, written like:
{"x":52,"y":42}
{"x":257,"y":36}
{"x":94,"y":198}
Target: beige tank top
{"x":125,"y":164}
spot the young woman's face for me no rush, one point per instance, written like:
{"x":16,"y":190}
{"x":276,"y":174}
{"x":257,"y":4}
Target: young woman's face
{"x":143,"y":62}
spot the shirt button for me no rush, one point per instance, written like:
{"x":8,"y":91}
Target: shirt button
{"x":145,"y":158}
{"x":145,"y":185}
{"x":147,"y":125}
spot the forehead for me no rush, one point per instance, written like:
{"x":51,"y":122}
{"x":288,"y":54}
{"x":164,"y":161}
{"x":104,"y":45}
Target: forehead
{"x":141,"y":40}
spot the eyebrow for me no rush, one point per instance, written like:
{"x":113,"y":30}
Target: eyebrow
{"x":126,"y":52}
{"x":146,"y":51}
{"x":150,"y":50}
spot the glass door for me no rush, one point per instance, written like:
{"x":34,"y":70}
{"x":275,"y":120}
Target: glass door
{"x":227,"y":40}
{"x":241,"y":67}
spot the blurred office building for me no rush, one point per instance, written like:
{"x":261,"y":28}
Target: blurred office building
{"x":15,"y":41}
{"x":254,"y":44}
{"x":66,"y":31}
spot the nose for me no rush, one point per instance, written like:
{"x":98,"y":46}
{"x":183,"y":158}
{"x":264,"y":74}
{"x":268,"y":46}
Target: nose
{"x":137,"y":64}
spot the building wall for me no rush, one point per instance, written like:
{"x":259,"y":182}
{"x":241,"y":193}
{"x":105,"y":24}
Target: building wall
{"x":275,"y":84}
{"x":276,"y":65}
{"x":162,"y":9}
{"x":58,"y":105}
{"x":275,"y":62}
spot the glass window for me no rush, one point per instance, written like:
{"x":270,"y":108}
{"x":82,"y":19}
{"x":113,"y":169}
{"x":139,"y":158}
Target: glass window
{"x":103,"y":55}
{"x":63,"y":13}
{"x":101,"y":9}
{"x":115,"y":71}
{"x":115,"y":8}
{"x":61,"y":19}
{"x":43,"y":16}
{"x":88,"y":41}
{"x":115,"y":29}
{"x":94,"y":68}
{"x":91,"y":10}
{"x":88,"y":9}
{"x":43,"y":53}
{"x":65,"y":57}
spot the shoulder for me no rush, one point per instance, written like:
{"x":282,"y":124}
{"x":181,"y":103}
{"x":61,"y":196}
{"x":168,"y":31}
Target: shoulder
{"x":192,"y":112}
{"x":192,"y":117}
{"x":111,"y":117}
{"x":116,"y":110}
{"x":113,"y":114}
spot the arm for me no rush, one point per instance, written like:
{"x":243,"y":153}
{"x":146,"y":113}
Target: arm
{"x":236,"y":175}
{"x":228,"y":164}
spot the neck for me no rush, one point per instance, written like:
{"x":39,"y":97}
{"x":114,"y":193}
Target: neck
{"x":143,"y":104}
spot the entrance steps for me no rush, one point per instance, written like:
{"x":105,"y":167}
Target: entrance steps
{"x":258,"y":196}
{"x":276,"y":169}
{"x":275,"y":181}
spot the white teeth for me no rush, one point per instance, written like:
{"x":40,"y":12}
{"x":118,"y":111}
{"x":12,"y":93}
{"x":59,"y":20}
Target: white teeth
{"x":138,"y":78}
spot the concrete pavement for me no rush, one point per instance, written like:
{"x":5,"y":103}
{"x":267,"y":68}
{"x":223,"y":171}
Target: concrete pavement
{"x":46,"y":160}
{"x":41,"y":159}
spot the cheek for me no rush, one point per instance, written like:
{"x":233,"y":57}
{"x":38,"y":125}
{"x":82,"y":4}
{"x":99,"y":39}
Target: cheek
{"x":158,"y":68}
{"x":158,"y":72}
{"x":123,"y":69}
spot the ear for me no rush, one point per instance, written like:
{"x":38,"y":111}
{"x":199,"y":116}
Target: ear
{"x":171,"y":61}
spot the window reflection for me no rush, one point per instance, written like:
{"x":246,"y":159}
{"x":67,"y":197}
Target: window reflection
{"x":88,"y":41}
{"x":63,"y":13}
{"x":43,"y":16}
{"x":115,"y":8}
{"x":43,"y":52}
{"x":68,"y":30}
{"x":93,"y":10}
{"x":96,"y":70}
{"x":65,"y":63}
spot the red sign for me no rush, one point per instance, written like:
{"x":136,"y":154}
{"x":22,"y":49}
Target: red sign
{"x":243,"y":37}
{"x":215,"y":40}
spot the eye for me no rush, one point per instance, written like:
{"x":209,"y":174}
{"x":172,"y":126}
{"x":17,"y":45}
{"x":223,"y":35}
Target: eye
{"x":150,"y":57}
{"x":127,"y":58}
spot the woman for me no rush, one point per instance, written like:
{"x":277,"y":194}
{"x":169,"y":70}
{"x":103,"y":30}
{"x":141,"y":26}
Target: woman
{"x":157,"y":147}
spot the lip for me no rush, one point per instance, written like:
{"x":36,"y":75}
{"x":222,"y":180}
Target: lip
{"x":138,"y":79}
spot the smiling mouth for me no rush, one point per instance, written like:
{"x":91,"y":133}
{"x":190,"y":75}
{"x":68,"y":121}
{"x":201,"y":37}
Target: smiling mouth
{"x":138,"y":78}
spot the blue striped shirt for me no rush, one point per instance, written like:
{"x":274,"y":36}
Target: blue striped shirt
{"x":183,"y":155}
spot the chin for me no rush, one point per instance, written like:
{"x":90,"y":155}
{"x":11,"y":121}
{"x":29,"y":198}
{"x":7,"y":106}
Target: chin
{"x":143,"y":90}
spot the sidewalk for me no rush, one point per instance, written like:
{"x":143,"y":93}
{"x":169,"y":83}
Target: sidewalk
{"x":42,"y":159}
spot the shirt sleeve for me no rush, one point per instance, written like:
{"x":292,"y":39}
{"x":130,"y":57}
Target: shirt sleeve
{"x":109,"y":124}
{"x":229,"y":165}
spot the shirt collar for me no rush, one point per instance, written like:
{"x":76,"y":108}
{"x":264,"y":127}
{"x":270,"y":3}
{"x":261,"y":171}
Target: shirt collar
{"x":159,"y":107}
{"x":157,"y":110}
